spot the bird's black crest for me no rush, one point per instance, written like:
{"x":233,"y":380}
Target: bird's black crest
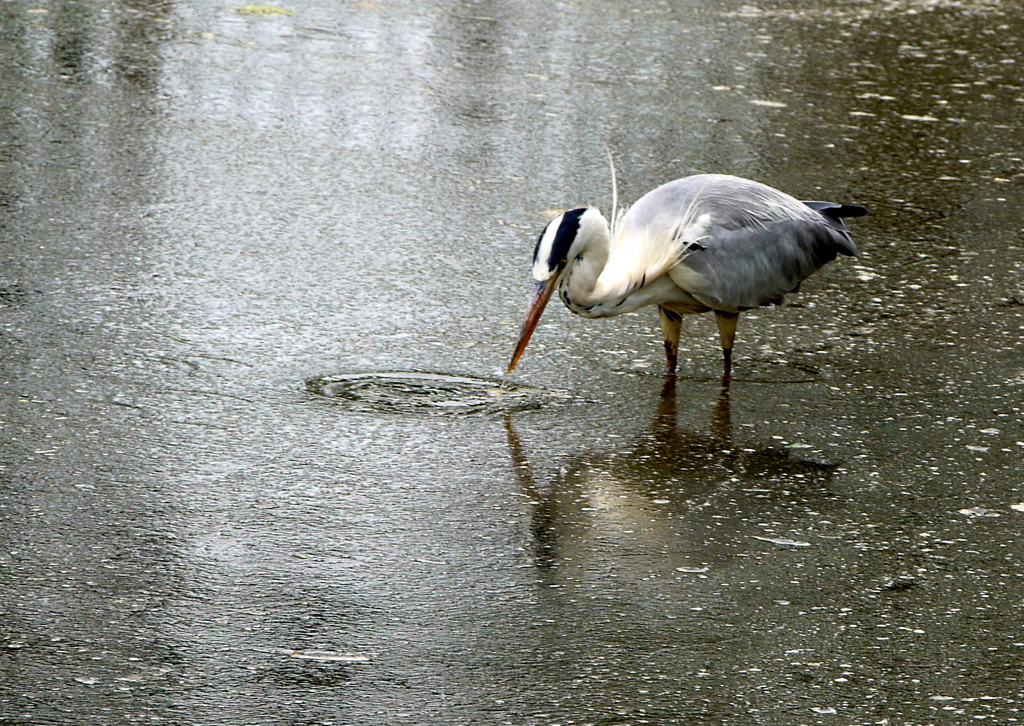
{"x":563,"y":238}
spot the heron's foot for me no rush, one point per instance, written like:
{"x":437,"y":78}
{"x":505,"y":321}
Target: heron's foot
{"x":671,"y":326}
{"x":727,"y":334}
{"x":671,"y":357}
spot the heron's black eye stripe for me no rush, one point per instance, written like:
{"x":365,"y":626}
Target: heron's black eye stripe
{"x":564,"y":237}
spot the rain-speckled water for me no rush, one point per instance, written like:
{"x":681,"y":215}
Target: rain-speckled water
{"x":263,"y":268}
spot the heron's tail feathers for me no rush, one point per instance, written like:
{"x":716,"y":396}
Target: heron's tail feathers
{"x":833,"y":214}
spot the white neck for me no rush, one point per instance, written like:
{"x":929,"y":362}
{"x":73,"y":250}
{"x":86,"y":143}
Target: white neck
{"x":587,"y":259}
{"x":599,"y":281}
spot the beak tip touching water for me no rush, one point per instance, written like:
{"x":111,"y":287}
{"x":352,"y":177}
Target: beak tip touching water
{"x":541,"y":295}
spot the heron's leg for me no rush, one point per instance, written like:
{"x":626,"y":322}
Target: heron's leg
{"x":671,"y":324}
{"x":727,"y":334}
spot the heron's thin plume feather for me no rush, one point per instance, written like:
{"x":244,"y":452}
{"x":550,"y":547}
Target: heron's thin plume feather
{"x":615,"y":190}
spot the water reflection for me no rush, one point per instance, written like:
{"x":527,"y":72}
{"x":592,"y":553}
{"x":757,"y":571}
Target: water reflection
{"x":686,"y":499}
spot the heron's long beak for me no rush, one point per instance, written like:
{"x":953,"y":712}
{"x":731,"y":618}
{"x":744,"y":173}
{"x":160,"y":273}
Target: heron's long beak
{"x":540,"y":299}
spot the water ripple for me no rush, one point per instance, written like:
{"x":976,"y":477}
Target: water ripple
{"x":433,"y":393}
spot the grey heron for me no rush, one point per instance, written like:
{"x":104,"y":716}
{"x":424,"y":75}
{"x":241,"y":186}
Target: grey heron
{"x":709,"y":242}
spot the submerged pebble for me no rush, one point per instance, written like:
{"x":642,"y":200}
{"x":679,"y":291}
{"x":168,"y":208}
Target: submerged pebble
{"x":784,"y":541}
{"x":978,"y":512}
{"x":329,"y":656}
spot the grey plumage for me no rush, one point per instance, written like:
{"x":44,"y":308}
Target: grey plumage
{"x":756,"y":245}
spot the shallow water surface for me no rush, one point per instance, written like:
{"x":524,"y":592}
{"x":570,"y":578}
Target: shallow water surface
{"x":263,"y":271}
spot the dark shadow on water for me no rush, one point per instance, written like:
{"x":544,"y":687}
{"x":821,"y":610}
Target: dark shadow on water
{"x":303,"y":674}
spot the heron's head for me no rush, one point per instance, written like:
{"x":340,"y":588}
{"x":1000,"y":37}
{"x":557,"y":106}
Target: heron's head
{"x":555,"y":245}
{"x":562,"y":240}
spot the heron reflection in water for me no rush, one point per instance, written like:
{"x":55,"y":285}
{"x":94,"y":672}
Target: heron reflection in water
{"x":668,"y":490}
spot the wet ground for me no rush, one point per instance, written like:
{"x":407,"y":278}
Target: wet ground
{"x":262,"y":271}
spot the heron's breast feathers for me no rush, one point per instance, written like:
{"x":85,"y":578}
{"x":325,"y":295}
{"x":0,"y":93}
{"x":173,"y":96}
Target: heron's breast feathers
{"x":638,"y":257}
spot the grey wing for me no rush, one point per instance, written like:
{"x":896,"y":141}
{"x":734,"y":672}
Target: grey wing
{"x":754,"y":243}
{"x":739,"y":269}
